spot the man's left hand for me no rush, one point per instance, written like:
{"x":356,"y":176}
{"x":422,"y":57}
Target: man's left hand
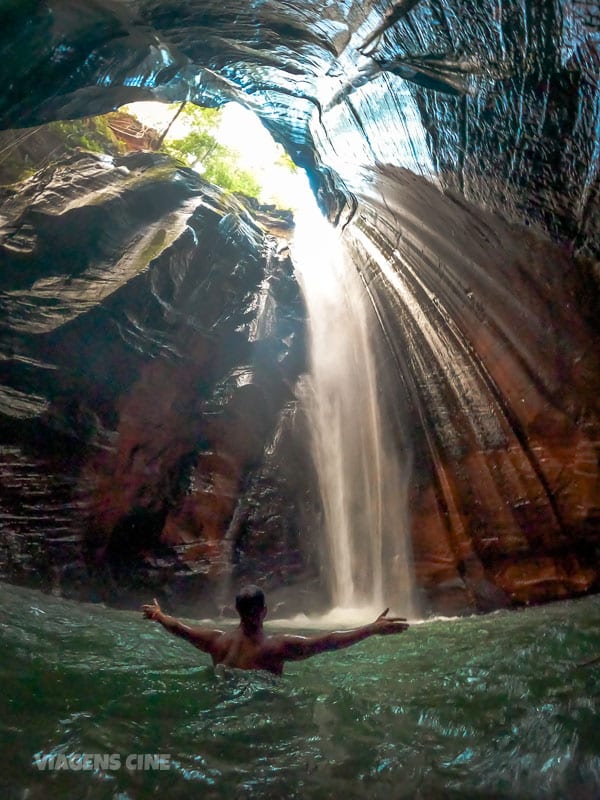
{"x":152,"y":611}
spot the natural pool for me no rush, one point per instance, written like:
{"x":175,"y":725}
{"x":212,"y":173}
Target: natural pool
{"x":485,"y":707}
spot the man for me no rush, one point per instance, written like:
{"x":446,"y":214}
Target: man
{"x":249,"y":647}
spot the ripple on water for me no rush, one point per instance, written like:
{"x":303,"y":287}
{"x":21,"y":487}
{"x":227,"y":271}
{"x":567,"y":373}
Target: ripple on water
{"x":481,"y":707}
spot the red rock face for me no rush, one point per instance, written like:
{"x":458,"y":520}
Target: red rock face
{"x":160,"y":435}
{"x":133,"y":134}
{"x":156,"y":428}
{"x":167,"y":437}
{"x":503,"y":385}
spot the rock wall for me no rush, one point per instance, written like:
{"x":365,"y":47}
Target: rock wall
{"x":151,"y":338}
{"x":489,"y":328}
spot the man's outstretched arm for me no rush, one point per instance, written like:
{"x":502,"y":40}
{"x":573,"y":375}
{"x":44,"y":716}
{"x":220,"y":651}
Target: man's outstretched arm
{"x":295,"y":648}
{"x":202,"y":638}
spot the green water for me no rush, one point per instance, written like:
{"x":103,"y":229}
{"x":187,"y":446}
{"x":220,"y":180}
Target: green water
{"x":493,"y":707}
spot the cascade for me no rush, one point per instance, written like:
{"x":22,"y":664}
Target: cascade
{"x":362,"y":473}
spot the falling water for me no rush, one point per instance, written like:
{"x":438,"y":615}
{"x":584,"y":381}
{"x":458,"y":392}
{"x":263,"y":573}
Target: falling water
{"x":362,"y":477}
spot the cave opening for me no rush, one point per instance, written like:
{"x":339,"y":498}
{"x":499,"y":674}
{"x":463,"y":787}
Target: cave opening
{"x":234,"y":137}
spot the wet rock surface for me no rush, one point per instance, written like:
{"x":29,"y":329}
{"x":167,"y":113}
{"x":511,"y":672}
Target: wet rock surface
{"x":496,"y":100}
{"x":151,"y":338}
{"x":418,"y":119}
{"x":489,"y":326}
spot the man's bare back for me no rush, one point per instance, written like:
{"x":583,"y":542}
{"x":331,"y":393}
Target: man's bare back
{"x":248,"y":647}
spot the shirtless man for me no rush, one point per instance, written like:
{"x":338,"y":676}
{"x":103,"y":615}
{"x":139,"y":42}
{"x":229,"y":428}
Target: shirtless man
{"x":249,"y":647}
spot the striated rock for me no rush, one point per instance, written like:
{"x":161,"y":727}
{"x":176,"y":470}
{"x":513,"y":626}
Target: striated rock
{"x":495,"y":100}
{"x":490,"y":331}
{"x":152,"y":337}
{"x":133,"y":134}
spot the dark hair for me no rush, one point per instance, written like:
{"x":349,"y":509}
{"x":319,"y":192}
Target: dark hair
{"x":249,"y":601}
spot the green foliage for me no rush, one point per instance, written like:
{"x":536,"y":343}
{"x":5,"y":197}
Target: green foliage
{"x":91,"y":133}
{"x":193,"y":149}
{"x":200,"y":148}
{"x":13,"y":169}
{"x":222,"y":171}
{"x":285,"y":161}
{"x":200,"y":117}
{"x":24,"y":155}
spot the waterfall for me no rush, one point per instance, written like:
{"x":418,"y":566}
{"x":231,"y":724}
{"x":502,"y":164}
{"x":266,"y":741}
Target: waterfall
{"x":362,"y":477}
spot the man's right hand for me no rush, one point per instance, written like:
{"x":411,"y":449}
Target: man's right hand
{"x":385,"y":625}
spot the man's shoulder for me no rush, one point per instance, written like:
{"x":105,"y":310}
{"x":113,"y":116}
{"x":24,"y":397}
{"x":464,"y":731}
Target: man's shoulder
{"x":224,"y":638}
{"x":276,"y":643}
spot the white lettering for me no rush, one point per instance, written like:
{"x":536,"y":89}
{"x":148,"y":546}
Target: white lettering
{"x":61,"y":762}
{"x":75,"y":763}
{"x":87,"y":762}
{"x":114,"y":761}
{"x":131,"y":761}
{"x":102,"y":761}
{"x":45,"y":762}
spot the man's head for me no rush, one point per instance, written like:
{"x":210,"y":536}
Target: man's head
{"x":250,"y":604}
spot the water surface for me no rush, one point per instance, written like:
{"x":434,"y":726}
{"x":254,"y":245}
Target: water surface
{"x":492,"y":706}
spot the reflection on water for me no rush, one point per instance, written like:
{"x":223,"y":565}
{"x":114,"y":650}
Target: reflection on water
{"x":493,"y":706}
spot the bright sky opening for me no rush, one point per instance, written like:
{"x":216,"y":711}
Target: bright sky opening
{"x":241,"y":131}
